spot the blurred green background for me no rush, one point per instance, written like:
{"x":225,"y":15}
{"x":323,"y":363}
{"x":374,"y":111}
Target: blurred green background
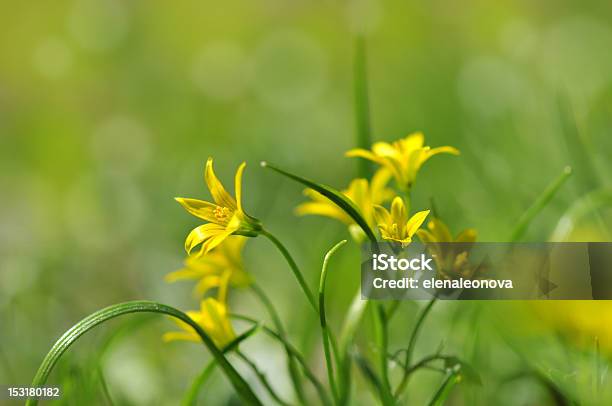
{"x":109,"y":109}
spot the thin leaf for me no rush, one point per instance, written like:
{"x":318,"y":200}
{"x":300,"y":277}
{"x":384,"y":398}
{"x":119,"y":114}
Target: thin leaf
{"x":447,"y":384}
{"x":349,"y":328}
{"x":362,"y":108}
{"x":108,"y":313}
{"x":262,"y":379}
{"x":294,"y":267}
{"x":539,"y":204}
{"x":323,"y":319}
{"x":578,"y":151}
{"x":332,"y":194}
{"x":411,"y":344}
{"x":278,"y":324}
{"x":295,"y":353}
{"x":191,"y":396}
{"x":372,"y":377}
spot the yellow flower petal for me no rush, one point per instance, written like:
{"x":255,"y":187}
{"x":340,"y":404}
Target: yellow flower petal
{"x":218,"y":192}
{"x":322,"y":209}
{"x":382,"y":216}
{"x":238,"y":185}
{"x":415,"y":222}
{"x":182,"y":274}
{"x":468,"y":235}
{"x":443,"y":150}
{"x":384,"y":149}
{"x":398,"y":211}
{"x":412,"y":142}
{"x":216,"y":239}
{"x":440,"y":231}
{"x":199,"y":208}
{"x":201,"y":234}
{"x":362,"y":153}
{"x":206,"y":283}
{"x":425,"y":236}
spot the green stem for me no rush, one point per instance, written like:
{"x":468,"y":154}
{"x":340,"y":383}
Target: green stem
{"x":191,"y":397}
{"x":276,"y":321}
{"x":262,"y":378}
{"x":66,"y":340}
{"x":539,"y":204}
{"x":383,"y":345}
{"x":323,"y":320}
{"x":307,"y":371}
{"x":294,"y":268}
{"x":362,"y":113}
{"x":411,"y":344}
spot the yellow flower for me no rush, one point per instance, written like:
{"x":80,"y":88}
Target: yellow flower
{"x":451,"y":259}
{"x":361,"y":192}
{"x":225,"y":215}
{"x":213,"y":318}
{"x":396,"y":226}
{"x":437,"y":231}
{"x":222,"y":266}
{"x":403,"y":158}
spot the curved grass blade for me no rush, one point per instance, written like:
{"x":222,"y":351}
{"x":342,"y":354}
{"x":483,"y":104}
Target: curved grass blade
{"x":326,"y":334}
{"x":295,"y":353}
{"x":108,"y":313}
{"x":332,"y":194}
{"x":278,"y":325}
{"x":349,"y":327}
{"x":539,"y":204}
{"x":589,"y":204}
{"x":191,"y":396}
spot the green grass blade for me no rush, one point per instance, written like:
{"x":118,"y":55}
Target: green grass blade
{"x":369,"y":374}
{"x":351,"y":322}
{"x":191,"y":397}
{"x":263,"y":379}
{"x":362,"y":108}
{"x":323,"y":319}
{"x":295,"y":353}
{"x":278,"y":325}
{"x":411,"y":344}
{"x":591,"y":203}
{"x":382,"y":341}
{"x":444,"y":390}
{"x":582,"y":158}
{"x":539,"y":204}
{"x":294,"y":267}
{"x":332,"y":194}
{"x":65,"y":341}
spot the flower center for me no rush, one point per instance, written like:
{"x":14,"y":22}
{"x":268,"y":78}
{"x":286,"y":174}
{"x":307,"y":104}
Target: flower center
{"x":222,"y":213}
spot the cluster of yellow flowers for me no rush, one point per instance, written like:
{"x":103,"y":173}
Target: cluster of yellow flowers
{"x":401,"y":160}
{"x":218,"y":264}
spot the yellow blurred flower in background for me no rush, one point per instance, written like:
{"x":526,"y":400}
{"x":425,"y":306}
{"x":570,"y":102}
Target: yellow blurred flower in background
{"x":403,"y":158}
{"x":214,"y":320}
{"x":222,"y":264}
{"x":395,"y":225}
{"x":451,"y":259}
{"x":364,"y":194}
{"x":225,"y":215}
{"x":580,"y":321}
